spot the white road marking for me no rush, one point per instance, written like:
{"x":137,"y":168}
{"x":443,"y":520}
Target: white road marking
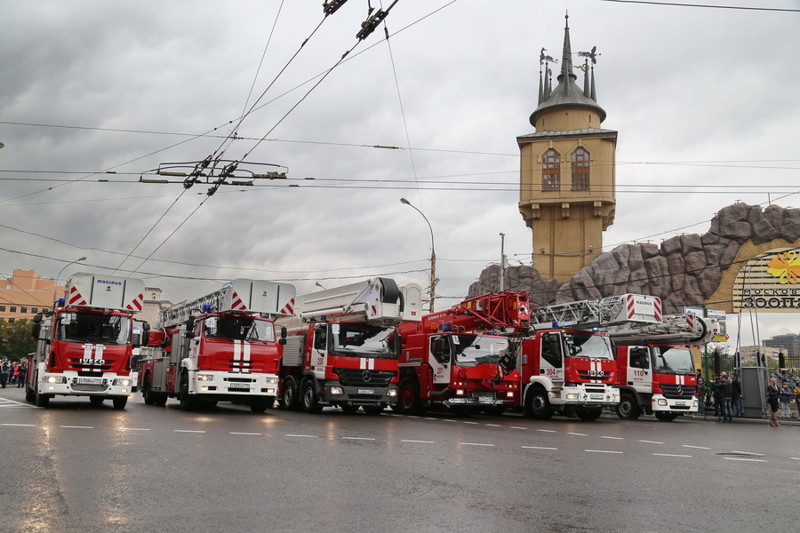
{"x":19,"y":425}
{"x":136,"y":429}
{"x":602,"y":451}
{"x":651,"y":442}
{"x":417,"y":441}
{"x":300,"y":435}
{"x":745,"y":459}
{"x":430,"y":418}
{"x":188,"y":431}
{"x":671,"y":455}
{"x":448,"y":420}
{"x":748,"y":453}
{"x":547,"y":430}
{"x":414,"y":416}
{"x":475,"y":444}
{"x":518,"y":427}
{"x":576,"y":434}
{"x":493,"y":425}
{"x":357,"y":438}
{"x":78,"y":427}
{"x":243,"y":433}
{"x":795,"y":458}
{"x":695,"y":447}
{"x":538,"y":448}
{"x":468,"y":422}
{"x":615,"y":438}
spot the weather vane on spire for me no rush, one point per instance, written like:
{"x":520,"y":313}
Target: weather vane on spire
{"x":591,"y":55}
{"x":544,"y":57}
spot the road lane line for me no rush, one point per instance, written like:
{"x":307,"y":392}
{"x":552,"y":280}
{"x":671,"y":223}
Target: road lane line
{"x":469,"y":422}
{"x":615,"y":438}
{"x":671,"y":455}
{"x":745,"y":459}
{"x":475,"y":444}
{"x":412,"y":441}
{"x":300,"y":435}
{"x":136,"y":429}
{"x":357,"y":438}
{"x":20,"y":425}
{"x":576,"y":434}
{"x":748,"y":453}
{"x":696,"y":447}
{"x":602,"y":451}
{"x":795,"y":458}
{"x":188,"y":431}
{"x":244,"y":433}
{"x":493,"y":425}
{"x":651,"y":441}
{"x":518,"y":427}
{"x":78,"y":427}
{"x":431,"y":418}
{"x":547,"y":430}
{"x":448,"y":420}
{"x":538,"y":448}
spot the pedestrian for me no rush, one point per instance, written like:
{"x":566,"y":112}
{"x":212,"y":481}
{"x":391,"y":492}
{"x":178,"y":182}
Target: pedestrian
{"x":785,"y":396}
{"x":773,"y":394}
{"x":777,"y":375}
{"x":736,"y":396}
{"x":701,"y":393}
{"x":715,"y":385}
{"x":5,"y":372}
{"x":23,"y":372}
{"x":725,"y":397}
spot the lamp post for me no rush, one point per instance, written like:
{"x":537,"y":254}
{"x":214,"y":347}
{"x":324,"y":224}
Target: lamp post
{"x":61,"y":272}
{"x":433,"y":254}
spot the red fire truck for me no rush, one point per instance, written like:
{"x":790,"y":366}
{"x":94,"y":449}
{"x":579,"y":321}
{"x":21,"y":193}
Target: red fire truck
{"x":342,"y":347}
{"x":220,"y":347}
{"x":656,"y":373}
{"x":452,"y":358}
{"x":84,"y":345}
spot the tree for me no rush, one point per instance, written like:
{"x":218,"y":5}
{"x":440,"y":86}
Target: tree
{"x":15,"y":339}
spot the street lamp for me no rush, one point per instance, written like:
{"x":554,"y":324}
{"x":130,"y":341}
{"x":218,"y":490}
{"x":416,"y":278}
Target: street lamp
{"x":433,"y":254}
{"x":61,"y":272}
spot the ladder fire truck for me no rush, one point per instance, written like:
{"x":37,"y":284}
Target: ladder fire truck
{"x":563,"y":363}
{"x":84,"y":345}
{"x":220,"y":347}
{"x":345,"y":352}
{"x":655,"y":370}
{"x":452,"y":358}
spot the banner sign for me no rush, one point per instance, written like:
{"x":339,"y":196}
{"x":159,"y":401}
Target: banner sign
{"x":769,"y":283}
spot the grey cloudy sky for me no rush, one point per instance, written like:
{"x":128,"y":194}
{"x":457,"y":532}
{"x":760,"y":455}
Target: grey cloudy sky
{"x":704,"y":100}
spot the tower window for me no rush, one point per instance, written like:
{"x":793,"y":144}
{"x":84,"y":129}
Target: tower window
{"x":580,"y":170}
{"x":551,"y":171}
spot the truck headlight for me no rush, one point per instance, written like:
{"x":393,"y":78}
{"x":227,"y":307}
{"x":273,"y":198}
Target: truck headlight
{"x":205,"y":377}
{"x":122,"y":382}
{"x":509,"y":394}
{"x":459,"y":392}
{"x":662,"y":402}
{"x":336,"y":391}
{"x":272,"y":381}
{"x":55,"y":379}
{"x":391,"y":393}
{"x":572,"y":396}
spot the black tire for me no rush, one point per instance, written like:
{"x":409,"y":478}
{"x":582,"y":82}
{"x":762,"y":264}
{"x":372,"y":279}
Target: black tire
{"x":119,"y":402}
{"x":628,"y":407}
{"x":349,"y":408}
{"x":160,"y":398}
{"x":408,"y":401}
{"x":260,"y":405}
{"x":30,"y":394}
{"x":537,"y":405}
{"x":588,"y":415}
{"x":666,"y":416}
{"x":96,"y":400}
{"x":187,"y":402}
{"x":310,"y":398}
{"x":373,"y":410}
{"x":147,"y":394}
{"x":290,"y":398}
{"x":41,"y":400}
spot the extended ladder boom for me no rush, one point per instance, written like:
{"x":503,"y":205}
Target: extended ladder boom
{"x":611,"y":310}
{"x":244,"y":295}
{"x":377,"y":301}
{"x":674,"y":329}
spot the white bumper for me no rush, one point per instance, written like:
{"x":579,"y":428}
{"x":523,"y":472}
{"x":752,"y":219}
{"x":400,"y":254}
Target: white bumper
{"x":70,"y":384}
{"x":588,"y":394}
{"x":208,"y":383}
{"x":660,"y":403}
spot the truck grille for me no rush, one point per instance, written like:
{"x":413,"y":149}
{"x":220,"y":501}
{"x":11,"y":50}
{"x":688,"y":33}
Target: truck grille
{"x":363,"y":378}
{"x":678,"y":392}
{"x":240,"y":380}
{"x":88,"y":388}
{"x":586,"y":375}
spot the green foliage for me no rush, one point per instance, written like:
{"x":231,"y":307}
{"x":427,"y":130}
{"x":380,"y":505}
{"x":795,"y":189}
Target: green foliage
{"x":15,"y":339}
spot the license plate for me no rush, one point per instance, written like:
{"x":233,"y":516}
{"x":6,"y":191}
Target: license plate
{"x":596,"y":396}
{"x":366,"y":391}
{"x":239,"y":386}
{"x":90,"y":381}
{"x":485,"y":399}
{"x":680,"y":404}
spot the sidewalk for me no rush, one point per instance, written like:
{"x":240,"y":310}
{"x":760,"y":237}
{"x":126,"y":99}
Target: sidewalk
{"x":711,"y":417}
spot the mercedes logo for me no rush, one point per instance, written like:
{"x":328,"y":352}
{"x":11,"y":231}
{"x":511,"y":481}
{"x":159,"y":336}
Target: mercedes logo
{"x":680,"y":390}
{"x":366,"y":376}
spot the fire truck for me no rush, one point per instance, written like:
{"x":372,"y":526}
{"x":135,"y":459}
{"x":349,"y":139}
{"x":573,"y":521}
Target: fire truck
{"x":567,"y":364}
{"x":84,"y":345}
{"x":655,"y":370}
{"x":342,"y":348}
{"x":219,"y":347}
{"x":452,"y":358}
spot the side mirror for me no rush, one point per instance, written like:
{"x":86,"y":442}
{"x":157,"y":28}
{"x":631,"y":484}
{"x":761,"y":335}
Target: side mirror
{"x":284,"y":333}
{"x":282,"y":341}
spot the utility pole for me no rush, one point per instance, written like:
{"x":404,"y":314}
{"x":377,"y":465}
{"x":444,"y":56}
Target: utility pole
{"x":502,"y":261}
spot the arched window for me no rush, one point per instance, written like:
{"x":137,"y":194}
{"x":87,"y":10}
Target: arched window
{"x":580,"y":170}
{"x":551,"y":171}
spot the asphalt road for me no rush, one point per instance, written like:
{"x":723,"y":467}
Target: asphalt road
{"x":73,"y":467}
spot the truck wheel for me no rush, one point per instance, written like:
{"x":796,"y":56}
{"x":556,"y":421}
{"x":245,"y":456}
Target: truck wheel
{"x":159,"y":398}
{"x":373,"y":410}
{"x":310,"y":399}
{"x":666,"y":416}
{"x":119,"y":402}
{"x":587,"y":415}
{"x":408,"y":397}
{"x":41,"y":400}
{"x":259,"y":405}
{"x":538,"y":405}
{"x":187,"y":402}
{"x":96,"y":400}
{"x":627,"y":408}
{"x":30,"y":395}
{"x":289,"y":396}
{"x":148,"y":396}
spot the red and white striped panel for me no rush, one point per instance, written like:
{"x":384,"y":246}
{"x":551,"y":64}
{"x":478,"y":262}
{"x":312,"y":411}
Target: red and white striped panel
{"x":657,"y":309}
{"x":136,"y":303}
{"x":236,"y":303}
{"x":288,"y":309}
{"x":75,"y":297}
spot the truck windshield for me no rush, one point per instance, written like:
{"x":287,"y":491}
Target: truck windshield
{"x":473,"y":350}
{"x":668,"y":360}
{"x":240,"y":328}
{"x":588,"y":345}
{"x":94,"y":328}
{"x":365,"y":341}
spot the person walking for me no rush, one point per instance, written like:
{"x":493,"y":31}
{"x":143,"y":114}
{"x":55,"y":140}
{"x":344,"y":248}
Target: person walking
{"x":23,"y":372}
{"x":724,"y":389}
{"x":736,"y":396}
{"x":773,"y":394}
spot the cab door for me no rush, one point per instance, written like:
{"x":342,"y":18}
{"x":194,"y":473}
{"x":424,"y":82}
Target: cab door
{"x":551,"y":361}
{"x":640,"y":372}
{"x":440,"y":359}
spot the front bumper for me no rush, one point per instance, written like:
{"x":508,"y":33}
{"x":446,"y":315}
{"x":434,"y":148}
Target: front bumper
{"x":587,"y":395}
{"x":335,"y":393}
{"x":684,"y":405}
{"x":234,"y":384}
{"x":74,"y":385}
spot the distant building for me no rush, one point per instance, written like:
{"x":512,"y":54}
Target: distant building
{"x":789,"y":343}
{"x":152,"y":306}
{"x":24,"y":294}
{"x":748,"y":354}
